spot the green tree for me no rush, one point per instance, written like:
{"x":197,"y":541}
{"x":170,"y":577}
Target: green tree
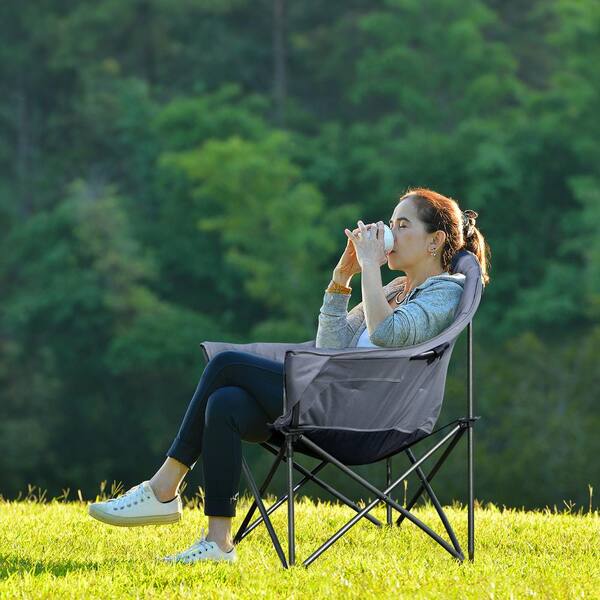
{"x":272,"y":224}
{"x":80,"y":329}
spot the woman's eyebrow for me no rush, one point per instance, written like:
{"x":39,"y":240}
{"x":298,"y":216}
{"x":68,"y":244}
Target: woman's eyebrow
{"x":400,"y":219}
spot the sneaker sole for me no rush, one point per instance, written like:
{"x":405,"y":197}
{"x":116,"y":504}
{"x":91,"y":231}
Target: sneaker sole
{"x":133,"y":521}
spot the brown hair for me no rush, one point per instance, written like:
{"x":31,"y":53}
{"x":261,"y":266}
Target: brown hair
{"x":441,"y":212}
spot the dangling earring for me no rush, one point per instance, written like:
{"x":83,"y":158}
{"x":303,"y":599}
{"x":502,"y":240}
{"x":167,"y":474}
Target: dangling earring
{"x":434,"y":253}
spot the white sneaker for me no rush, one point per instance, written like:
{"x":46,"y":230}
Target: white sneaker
{"x":137,"y":506}
{"x":202,"y":550}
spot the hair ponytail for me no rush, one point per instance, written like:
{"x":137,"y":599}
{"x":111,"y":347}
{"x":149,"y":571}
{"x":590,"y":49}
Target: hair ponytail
{"x":476,"y":244}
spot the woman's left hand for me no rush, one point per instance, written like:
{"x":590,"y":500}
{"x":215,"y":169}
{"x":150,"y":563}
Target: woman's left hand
{"x":368,"y":243}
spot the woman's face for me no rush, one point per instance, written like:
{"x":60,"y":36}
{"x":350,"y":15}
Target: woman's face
{"x":411,"y":242}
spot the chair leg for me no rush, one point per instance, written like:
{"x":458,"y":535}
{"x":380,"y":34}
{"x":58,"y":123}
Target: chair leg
{"x":290,"y":494}
{"x":263,"y":487}
{"x":471,"y":508}
{"x":263,"y":512}
{"x":242,"y":533}
{"x":436,"y":503}
{"x":470,"y":434}
{"x":388,"y":482}
{"x":431,"y":474}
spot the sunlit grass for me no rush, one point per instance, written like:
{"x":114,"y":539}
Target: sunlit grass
{"x":55,"y":550}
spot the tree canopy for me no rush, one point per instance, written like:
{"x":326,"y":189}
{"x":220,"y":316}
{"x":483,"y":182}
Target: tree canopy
{"x":178,"y":172}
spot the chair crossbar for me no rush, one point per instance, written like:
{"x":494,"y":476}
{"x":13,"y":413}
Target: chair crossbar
{"x":263,"y":487}
{"x":431,"y":474}
{"x":382,"y":497}
{"x":286,"y":454}
{"x":434,"y":500}
{"x":310,"y":475}
{"x":245,"y":529}
{"x":263,"y":512}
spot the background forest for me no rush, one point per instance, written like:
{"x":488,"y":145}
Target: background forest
{"x":179,"y":171}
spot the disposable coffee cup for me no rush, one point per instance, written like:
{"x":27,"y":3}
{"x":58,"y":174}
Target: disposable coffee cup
{"x":388,"y":238}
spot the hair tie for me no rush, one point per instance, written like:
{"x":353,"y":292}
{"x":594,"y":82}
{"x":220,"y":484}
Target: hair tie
{"x":468,"y":219}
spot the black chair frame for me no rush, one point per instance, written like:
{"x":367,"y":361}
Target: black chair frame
{"x":292,"y":435}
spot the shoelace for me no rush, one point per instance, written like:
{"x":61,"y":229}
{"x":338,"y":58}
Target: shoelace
{"x":129,"y":496}
{"x":199,"y":546}
{"x":202,"y":544}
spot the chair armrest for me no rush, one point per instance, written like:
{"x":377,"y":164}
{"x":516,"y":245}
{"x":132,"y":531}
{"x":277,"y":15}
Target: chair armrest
{"x":416,"y":352}
{"x":271,"y":350}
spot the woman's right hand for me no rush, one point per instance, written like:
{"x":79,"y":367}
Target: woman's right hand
{"x":348,"y":264}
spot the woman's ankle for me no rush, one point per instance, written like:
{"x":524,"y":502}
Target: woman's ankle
{"x":219,"y":531}
{"x":166,"y":481}
{"x":163,"y":492}
{"x":225,"y":544}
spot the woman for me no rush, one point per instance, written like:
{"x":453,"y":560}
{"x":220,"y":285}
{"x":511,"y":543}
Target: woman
{"x":240,"y":393}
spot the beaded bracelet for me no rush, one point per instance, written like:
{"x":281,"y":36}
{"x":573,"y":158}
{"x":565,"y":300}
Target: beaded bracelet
{"x":338,"y":288}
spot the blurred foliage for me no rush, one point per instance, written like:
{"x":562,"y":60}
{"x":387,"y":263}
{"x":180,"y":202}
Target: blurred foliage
{"x":151,"y":198}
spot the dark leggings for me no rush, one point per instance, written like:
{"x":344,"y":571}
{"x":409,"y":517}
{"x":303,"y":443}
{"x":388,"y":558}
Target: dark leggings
{"x":238,"y":394}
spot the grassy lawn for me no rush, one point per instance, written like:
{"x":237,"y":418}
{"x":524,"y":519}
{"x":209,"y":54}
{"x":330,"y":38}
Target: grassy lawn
{"x":55,"y":550}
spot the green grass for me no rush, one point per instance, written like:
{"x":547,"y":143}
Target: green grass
{"x":55,"y":550}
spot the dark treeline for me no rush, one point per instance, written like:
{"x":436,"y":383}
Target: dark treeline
{"x":173,"y":172}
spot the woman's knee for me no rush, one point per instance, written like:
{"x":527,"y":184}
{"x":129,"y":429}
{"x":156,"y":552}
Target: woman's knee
{"x":224,"y":403}
{"x":222,"y":359}
{"x":234,"y":408}
{"x":215,"y":366}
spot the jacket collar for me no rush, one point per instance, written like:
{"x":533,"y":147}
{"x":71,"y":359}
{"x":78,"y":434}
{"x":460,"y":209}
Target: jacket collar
{"x":456,"y":277}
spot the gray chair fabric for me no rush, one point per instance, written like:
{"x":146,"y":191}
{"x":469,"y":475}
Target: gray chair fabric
{"x":363,"y":404}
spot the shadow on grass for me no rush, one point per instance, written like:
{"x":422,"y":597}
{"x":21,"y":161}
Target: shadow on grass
{"x":9,"y":565}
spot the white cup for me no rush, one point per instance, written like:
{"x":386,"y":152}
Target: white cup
{"x":388,"y":238}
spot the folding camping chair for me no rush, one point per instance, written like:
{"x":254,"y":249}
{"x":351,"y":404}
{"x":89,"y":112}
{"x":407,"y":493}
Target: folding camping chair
{"x":357,"y":406}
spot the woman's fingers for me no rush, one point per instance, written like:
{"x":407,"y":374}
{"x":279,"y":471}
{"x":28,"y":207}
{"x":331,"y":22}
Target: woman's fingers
{"x":361,"y":229}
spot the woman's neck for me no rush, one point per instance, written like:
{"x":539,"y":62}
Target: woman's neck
{"x":416,"y":277}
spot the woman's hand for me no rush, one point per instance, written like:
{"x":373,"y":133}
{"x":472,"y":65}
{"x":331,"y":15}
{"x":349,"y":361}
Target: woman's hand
{"x":368,"y":243}
{"x":348,"y":264}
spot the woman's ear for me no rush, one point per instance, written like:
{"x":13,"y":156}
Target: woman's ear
{"x":439,"y":238}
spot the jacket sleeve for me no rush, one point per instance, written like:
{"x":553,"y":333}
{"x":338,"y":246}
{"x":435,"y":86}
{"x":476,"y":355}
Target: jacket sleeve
{"x":420,"y":319}
{"x":337,"y":326}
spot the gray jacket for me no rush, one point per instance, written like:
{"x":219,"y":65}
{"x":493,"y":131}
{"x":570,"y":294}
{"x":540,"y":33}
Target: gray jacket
{"x":426,"y":312}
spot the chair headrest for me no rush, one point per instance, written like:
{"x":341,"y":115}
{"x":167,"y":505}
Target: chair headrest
{"x":465,"y":262}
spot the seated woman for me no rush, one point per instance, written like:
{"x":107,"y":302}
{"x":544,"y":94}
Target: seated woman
{"x":240,"y":393}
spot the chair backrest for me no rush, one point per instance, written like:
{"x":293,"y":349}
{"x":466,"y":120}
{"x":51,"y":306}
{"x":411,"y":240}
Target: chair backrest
{"x":464,"y":262}
{"x":336,"y":388}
